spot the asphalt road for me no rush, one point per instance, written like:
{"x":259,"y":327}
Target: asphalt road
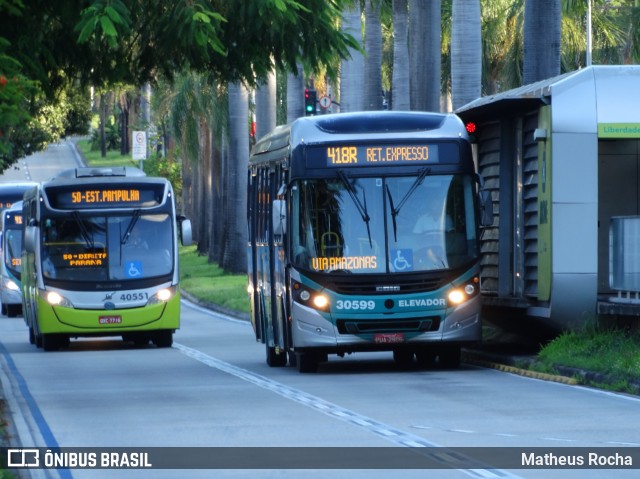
{"x":213,"y":389}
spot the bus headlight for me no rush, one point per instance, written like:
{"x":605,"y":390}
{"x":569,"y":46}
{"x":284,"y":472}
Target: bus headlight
{"x":162,"y":296}
{"x":56,"y":299}
{"x":456,"y":297}
{"x":464,"y":292}
{"x":310,"y":297}
{"x":11,"y":284}
{"x":320,"y":301}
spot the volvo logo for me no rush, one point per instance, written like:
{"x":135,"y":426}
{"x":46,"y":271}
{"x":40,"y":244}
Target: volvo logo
{"x":109,"y":305}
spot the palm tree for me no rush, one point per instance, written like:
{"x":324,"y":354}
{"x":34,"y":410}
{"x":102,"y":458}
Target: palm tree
{"x":466,"y":52}
{"x":295,"y":95}
{"x":235,"y":182}
{"x":266,"y":105}
{"x":373,"y":59}
{"x":400,"y":79}
{"x":424,"y":54}
{"x":542,"y":36}
{"x":352,"y":70}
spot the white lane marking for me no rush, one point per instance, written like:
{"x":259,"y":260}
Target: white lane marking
{"x":385,"y":431}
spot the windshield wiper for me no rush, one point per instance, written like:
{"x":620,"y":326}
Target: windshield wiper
{"x":86,"y":234}
{"x":132,"y":223}
{"x":394,"y":213}
{"x":422,"y":174}
{"x":362,"y":209}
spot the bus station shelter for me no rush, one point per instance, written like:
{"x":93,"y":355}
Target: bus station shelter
{"x":561,"y":158}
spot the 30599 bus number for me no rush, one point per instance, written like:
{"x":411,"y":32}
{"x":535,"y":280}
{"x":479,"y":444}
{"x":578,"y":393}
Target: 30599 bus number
{"x":355,"y":304}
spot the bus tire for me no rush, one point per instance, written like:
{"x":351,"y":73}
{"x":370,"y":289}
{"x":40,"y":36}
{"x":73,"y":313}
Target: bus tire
{"x":38,"y":338}
{"x":449,"y":358}
{"x":403,"y":357}
{"x":307,"y":362}
{"x":50,"y":342}
{"x":426,"y":358}
{"x":275,"y":360}
{"x":163,"y":338}
{"x":32,"y":336}
{"x":293,"y":359}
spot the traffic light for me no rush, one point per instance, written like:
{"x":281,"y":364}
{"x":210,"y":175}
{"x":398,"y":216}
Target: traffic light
{"x":472,"y":129}
{"x":309,"y":102}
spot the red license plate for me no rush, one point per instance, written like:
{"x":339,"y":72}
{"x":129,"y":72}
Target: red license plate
{"x":109,"y":319}
{"x":388,"y":338}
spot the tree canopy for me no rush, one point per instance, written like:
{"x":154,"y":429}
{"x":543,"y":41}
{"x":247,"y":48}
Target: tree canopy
{"x":57,"y":43}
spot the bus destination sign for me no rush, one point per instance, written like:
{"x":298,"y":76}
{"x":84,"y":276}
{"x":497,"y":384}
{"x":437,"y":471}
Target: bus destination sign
{"x":99,"y":196}
{"x":12,"y":219}
{"x":371,"y":155}
{"x":124,"y":196}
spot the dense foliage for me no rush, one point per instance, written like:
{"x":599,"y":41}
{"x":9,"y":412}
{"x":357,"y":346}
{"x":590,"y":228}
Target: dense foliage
{"x":59,"y":46}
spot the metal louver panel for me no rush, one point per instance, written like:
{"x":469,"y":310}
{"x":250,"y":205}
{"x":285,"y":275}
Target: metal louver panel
{"x":530,"y":206}
{"x":489,"y":168}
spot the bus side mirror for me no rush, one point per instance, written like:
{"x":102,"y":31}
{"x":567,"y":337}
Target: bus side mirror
{"x":279,"y":216}
{"x":186,"y":235}
{"x":486,"y":208}
{"x":30,"y":238}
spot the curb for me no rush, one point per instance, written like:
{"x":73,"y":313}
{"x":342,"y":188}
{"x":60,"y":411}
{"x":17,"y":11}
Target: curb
{"x":520,"y":371}
{"x":214,"y":307}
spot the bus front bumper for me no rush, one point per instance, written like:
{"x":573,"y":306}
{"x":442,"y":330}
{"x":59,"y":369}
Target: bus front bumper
{"x":459,"y":325}
{"x":57,"y":319}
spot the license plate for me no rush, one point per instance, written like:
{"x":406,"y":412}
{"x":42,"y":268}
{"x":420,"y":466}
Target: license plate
{"x":388,"y":338}
{"x":109,"y":319}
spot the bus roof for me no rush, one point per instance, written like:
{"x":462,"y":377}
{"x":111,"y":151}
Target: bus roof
{"x":101,"y":172}
{"x":361,"y":126}
{"x":88,"y":176}
{"x":16,"y":188}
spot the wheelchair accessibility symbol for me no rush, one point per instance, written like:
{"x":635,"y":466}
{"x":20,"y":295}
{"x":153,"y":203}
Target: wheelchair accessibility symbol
{"x":133,"y":269}
{"x":402,"y":259}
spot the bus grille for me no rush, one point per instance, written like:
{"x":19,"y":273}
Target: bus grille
{"x":417,"y":325}
{"x":382,"y":285}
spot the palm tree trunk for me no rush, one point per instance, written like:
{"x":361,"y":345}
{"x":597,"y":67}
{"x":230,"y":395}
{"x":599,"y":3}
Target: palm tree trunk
{"x":373,"y":60}
{"x":425,"y":54}
{"x":400,"y":79}
{"x":295,"y":95}
{"x":352,"y":71}
{"x":235,"y":260}
{"x":266,"y":106}
{"x":466,"y":52}
{"x":542,"y":34}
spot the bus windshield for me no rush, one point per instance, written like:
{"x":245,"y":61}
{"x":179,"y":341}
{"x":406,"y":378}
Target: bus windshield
{"x":379,"y":225}
{"x":103,"y":248}
{"x":13,"y":250}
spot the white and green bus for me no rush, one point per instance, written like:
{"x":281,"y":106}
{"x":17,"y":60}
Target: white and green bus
{"x":100,"y":257}
{"x":363,"y":236}
{"x":10,"y":269}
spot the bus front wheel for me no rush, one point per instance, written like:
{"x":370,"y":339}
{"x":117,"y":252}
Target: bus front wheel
{"x":307,"y":362}
{"x":50,"y":342}
{"x":163,"y":338}
{"x":274,"y":359}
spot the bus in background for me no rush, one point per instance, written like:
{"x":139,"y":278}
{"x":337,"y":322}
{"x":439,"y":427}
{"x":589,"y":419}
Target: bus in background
{"x":100,"y":258}
{"x":363,"y":236}
{"x":11,"y":257}
{"x":12,"y":192}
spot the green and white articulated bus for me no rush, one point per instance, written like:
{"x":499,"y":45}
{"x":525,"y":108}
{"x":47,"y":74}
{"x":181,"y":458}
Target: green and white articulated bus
{"x":100,"y":257}
{"x":10,"y":269}
{"x":363,"y":236}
